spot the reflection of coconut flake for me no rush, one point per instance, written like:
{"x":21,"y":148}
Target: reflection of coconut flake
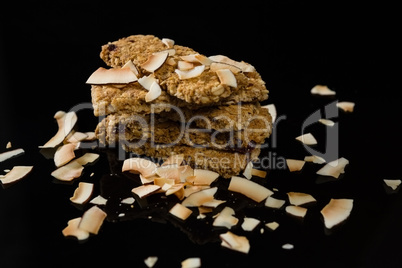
{"x":322,"y":90}
{"x":392,"y":183}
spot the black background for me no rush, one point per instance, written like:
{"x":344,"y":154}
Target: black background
{"x":48,"y":50}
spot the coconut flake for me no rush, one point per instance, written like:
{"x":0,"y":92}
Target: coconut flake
{"x":196,"y":71}
{"x":199,"y":198}
{"x":248,"y":170}
{"x":245,"y":67}
{"x":143,"y":166}
{"x":74,"y":169}
{"x":82,"y":193}
{"x":180,"y":211}
{"x":249,"y":224}
{"x":322,"y":90}
{"x":226,"y":77}
{"x":151,"y":261}
{"x":99,"y":200}
{"x":226,"y":218}
{"x":258,"y":173}
{"x":392,"y":183}
{"x":10,"y":154}
{"x":272,"y":111}
{"x":176,"y":159}
{"x":147,"y":81}
{"x":204,"y":177}
{"x":296,"y":211}
{"x":336,"y":211}
{"x":249,"y":188}
{"x":130,"y":65}
{"x":298,"y":199}
{"x":272,"y":202}
{"x":168,"y":42}
{"x":287,"y":246}
{"x":8,"y":145}
{"x":73,"y":229}
{"x":17,"y":173}
{"x":307,"y":139}
{"x":315,"y":159}
{"x":215,"y":66}
{"x":294,"y":164}
{"x":334,"y":168}
{"x":145,"y":190}
{"x":65,"y":122}
{"x":112,"y":76}
{"x":191,"y":263}
{"x":235,"y":242}
{"x":272,"y":225}
{"x":154,"y":92}
{"x":346,"y":106}
{"x":76,"y":137}
{"x":326,"y":122}
{"x":92,"y":220}
{"x":184,"y":65}
{"x":155,"y":61}
{"x":64,"y":154}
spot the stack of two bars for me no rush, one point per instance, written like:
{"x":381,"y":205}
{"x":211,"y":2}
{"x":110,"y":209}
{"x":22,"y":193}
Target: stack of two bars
{"x":160,"y":99}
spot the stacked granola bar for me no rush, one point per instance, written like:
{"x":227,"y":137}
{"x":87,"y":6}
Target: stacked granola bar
{"x":159,"y":99}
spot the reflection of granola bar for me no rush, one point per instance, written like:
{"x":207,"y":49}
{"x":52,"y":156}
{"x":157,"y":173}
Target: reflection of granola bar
{"x":160,"y":130}
{"x":225,"y":163}
{"x":205,"y":89}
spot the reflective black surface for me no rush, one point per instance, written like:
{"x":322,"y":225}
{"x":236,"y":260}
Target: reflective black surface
{"x":48,"y":51}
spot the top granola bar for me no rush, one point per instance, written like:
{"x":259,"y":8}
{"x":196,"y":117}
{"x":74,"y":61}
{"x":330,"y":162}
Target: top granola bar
{"x":188,"y":75}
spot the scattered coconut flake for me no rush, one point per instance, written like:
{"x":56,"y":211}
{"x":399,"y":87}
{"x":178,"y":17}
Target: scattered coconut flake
{"x":155,"y":61}
{"x":196,"y":71}
{"x":322,"y":90}
{"x":65,"y":122}
{"x":147,"y":81}
{"x":90,"y":136}
{"x":128,"y":201}
{"x":227,"y":77}
{"x":296,"y":211}
{"x":272,"y":225}
{"x":68,"y":172}
{"x":334,"y":168}
{"x":249,"y":224}
{"x":197,"y":58}
{"x":145,"y":190}
{"x":226,"y":218}
{"x":168,"y":42}
{"x":272,"y":110}
{"x":99,"y":200}
{"x":235,"y":242}
{"x":82,"y":193}
{"x":204,"y":177}
{"x":154,"y":92}
{"x":215,"y":66}
{"x":8,"y":145}
{"x":249,"y":188}
{"x":336,"y":211}
{"x":258,"y":173}
{"x":307,"y":139}
{"x":184,"y":65}
{"x":298,"y":199}
{"x":17,"y":173}
{"x":199,"y":198}
{"x":191,"y":263}
{"x":76,"y":136}
{"x":294,"y":164}
{"x":287,"y":246}
{"x":213,"y":203}
{"x":245,"y":67}
{"x":327,"y":122}
{"x":392,"y":183}
{"x":64,"y":154}
{"x":272,"y":202}
{"x":151,"y":261}
{"x":169,"y":172}
{"x":346,"y":106}
{"x":248,"y":170}
{"x":73,"y":229}
{"x":130,"y":65}
{"x":143,"y":166}
{"x":180,"y":211}
{"x":112,"y":76}
{"x":315,"y":159}
{"x":92,"y":220}
{"x":176,"y":159}
{"x":10,"y":154}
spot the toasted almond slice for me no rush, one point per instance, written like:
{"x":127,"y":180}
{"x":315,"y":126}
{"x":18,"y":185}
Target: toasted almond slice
{"x":17,"y":173}
{"x":346,"y":106}
{"x":196,"y":71}
{"x":130,"y":65}
{"x":227,"y":77}
{"x":249,"y":224}
{"x":10,"y":154}
{"x":145,"y":190}
{"x":322,"y":90}
{"x":315,"y":159}
{"x":204,"y":177}
{"x":199,"y":198}
{"x":296,"y":211}
{"x":112,"y":76}
{"x":248,"y":170}
{"x":151,"y":261}
{"x":143,"y":166}
{"x":64,"y":154}
{"x":272,"y":225}
{"x":307,"y":139}
{"x":334,"y":168}
{"x":215,"y":66}
{"x":154,"y":92}
{"x":326,"y":122}
{"x":191,"y":263}
{"x":249,"y":188}
{"x":392,"y":183}
{"x":298,"y":199}
{"x":180,"y":211}
{"x":184,"y":65}
{"x":147,"y":81}
{"x":272,"y":110}
{"x":82,"y":193}
{"x":73,"y":230}
{"x":174,"y":159}
{"x":245,"y":67}
{"x":92,"y":220}
{"x":258,"y":173}
{"x":294,"y":164}
{"x":168,"y":42}
{"x":272,"y":202}
{"x":99,"y":200}
{"x":235,"y":242}
{"x":155,"y":61}
{"x":65,"y":122}
{"x":336,"y":211}
{"x":226,"y":218}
